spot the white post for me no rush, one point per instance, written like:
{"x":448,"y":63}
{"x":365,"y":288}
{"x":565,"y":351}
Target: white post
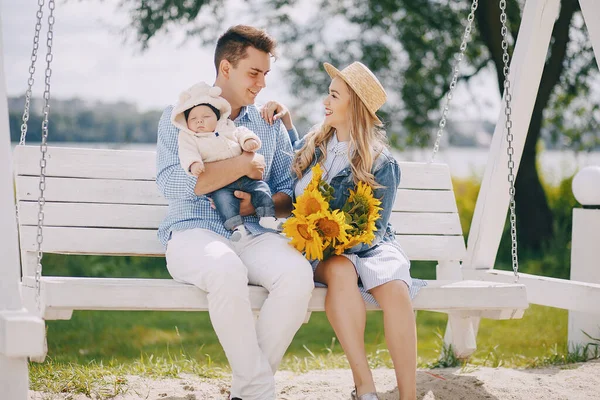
{"x":525,"y":74}
{"x":585,"y":251}
{"x":591,"y":10}
{"x":21,"y":334}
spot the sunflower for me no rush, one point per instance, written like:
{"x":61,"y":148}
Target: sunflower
{"x":332,"y":227}
{"x":304,"y":237}
{"x":309,"y":203}
{"x":317,"y":174}
{"x":364,"y":199}
{"x":362,"y":209}
{"x":341,"y":247}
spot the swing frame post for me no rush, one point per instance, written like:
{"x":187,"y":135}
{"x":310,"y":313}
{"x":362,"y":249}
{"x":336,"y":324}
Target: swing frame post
{"x":526,"y":69}
{"x":489,"y":218}
{"x":21,"y":333}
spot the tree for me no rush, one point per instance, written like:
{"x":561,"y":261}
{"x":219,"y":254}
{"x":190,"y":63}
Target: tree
{"x":410,"y":45}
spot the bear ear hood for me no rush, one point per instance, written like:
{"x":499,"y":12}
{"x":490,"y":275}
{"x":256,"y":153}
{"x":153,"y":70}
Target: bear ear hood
{"x":198,"y":94}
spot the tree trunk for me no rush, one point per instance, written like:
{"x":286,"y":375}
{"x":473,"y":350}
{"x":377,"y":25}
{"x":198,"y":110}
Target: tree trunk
{"x":534,"y":218}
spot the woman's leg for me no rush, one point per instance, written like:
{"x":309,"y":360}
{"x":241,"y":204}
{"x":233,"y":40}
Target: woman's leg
{"x":400,"y":334}
{"x":345,"y":309}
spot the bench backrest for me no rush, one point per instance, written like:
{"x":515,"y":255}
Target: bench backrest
{"x":107,"y":202}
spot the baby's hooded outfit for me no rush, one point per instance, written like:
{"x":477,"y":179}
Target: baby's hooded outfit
{"x":225,"y":142}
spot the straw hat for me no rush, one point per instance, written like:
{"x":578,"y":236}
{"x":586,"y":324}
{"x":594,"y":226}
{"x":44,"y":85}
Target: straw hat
{"x":363,"y":82}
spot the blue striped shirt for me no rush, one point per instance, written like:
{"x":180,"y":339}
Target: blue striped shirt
{"x":187,"y":210}
{"x":337,"y":159}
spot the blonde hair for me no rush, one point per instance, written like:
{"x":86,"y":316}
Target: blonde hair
{"x":367,"y":141}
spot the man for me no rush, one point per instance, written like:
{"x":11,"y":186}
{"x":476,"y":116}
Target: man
{"x":198,"y":250}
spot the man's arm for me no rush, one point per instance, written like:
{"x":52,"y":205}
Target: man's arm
{"x":221,"y":173}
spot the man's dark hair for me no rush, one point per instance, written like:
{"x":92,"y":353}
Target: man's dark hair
{"x":187,"y":112}
{"x":232,"y":45}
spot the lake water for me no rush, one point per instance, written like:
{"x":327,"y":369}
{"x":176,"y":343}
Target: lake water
{"x":464,"y":162}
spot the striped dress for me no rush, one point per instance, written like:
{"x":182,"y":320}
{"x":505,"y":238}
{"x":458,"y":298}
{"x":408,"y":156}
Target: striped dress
{"x":376,"y":266}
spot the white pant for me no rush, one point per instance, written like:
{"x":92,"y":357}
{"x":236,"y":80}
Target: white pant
{"x":210,"y":262}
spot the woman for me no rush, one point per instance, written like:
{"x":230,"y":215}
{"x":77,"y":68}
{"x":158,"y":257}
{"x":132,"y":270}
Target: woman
{"x":351,"y":146}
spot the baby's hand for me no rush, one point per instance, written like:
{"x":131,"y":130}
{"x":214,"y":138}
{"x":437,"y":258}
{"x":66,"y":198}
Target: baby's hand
{"x":250,"y":145}
{"x":196,"y":169}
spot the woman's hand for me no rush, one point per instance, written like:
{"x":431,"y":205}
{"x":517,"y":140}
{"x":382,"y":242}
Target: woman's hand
{"x":273,"y":110}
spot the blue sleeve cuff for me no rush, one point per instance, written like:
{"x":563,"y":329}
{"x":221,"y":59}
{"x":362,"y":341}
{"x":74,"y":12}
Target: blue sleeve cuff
{"x":293,"y":134}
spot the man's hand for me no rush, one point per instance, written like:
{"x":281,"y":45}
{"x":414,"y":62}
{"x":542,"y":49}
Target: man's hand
{"x":256,"y":165}
{"x":251,"y":145}
{"x":246,"y":207}
{"x":273,"y":110}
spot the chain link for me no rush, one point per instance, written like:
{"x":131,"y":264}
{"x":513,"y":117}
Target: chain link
{"x":509,"y":138}
{"x":43,"y":150}
{"x":463,"y":46}
{"x":31,"y":80}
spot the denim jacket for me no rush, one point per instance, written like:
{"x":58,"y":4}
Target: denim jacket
{"x":387,"y":174}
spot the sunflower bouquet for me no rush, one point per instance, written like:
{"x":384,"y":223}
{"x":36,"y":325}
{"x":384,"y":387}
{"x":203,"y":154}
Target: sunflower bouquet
{"x":319,"y":231}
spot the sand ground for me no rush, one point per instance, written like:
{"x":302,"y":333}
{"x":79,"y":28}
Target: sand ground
{"x":573,"y":382}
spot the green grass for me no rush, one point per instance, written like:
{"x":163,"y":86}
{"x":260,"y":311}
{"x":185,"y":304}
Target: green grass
{"x":115,"y":338}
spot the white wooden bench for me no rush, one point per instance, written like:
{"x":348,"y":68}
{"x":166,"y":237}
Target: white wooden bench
{"x":106,"y":202}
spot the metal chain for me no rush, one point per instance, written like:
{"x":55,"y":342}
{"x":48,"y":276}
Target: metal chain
{"x":43,"y":150}
{"x":463,"y":46}
{"x":509,"y":138}
{"x":30,"y":81}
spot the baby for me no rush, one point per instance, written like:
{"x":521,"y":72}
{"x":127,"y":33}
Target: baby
{"x":206,"y":134}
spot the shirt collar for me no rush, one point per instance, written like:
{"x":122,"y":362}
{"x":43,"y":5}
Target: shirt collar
{"x":246,"y":112}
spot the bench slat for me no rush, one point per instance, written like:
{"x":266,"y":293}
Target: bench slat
{"x":149,"y":217}
{"x":80,"y":190}
{"x":87,"y":163}
{"x":141,"y":165}
{"x":166,"y":294}
{"x":76,"y":190}
{"x":441,"y":201}
{"x":144,"y":242}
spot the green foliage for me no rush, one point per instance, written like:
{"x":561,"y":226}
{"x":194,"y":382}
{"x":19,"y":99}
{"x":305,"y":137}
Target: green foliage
{"x":573,"y":120}
{"x":154,"y":16}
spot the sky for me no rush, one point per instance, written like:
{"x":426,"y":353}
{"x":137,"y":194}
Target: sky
{"x":93,"y":61}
